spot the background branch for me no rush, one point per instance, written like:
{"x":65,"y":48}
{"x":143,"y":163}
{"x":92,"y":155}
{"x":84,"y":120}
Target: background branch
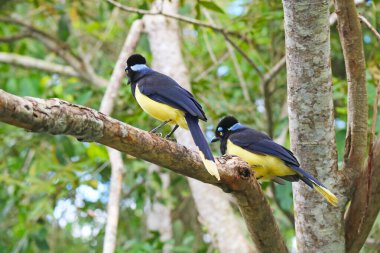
{"x":31,"y":62}
{"x":370,"y":27}
{"x":61,"y":49}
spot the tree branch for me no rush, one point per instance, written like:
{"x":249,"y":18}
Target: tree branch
{"x":61,"y":49}
{"x":358,"y":220}
{"x":178,"y":17}
{"x":15,"y":37}
{"x":356,"y":138}
{"x":370,"y":27}
{"x":30,"y":62}
{"x":56,"y":116}
{"x":189,"y":20}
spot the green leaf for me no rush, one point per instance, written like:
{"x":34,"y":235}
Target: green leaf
{"x":211,"y":6}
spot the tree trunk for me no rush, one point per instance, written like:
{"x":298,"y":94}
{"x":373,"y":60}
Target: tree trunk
{"x":213,"y":207}
{"x":319,"y":225}
{"x":115,"y":158}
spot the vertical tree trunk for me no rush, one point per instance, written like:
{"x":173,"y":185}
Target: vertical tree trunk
{"x":212,"y":205}
{"x":115,"y":158}
{"x":319,"y":226}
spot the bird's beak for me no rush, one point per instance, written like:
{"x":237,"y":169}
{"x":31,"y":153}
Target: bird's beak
{"x":215,"y":139}
{"x":126,"y":71}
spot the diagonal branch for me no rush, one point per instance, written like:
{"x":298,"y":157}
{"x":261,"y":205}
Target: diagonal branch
{"x":178,"y":17}
{"x":55,"y":116}
{"x":226,"y":34}
{"x":370,"y":27}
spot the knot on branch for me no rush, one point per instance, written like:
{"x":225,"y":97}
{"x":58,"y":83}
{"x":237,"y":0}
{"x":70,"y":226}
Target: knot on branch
{"x":236,"y":173}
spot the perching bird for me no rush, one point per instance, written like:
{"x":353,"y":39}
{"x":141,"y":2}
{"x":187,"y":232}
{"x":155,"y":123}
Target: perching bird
{"x":164,"y":99}
{"x":268,"y":159}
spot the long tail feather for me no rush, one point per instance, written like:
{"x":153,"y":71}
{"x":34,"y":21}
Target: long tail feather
{"x":200,"y":141}
{"x":316,"y":185}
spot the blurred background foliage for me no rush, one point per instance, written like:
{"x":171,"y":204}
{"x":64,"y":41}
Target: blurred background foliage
{"x":54,"y":189}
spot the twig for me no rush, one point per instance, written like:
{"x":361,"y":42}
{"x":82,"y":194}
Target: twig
{"x":368,"y":24}
{"x":211,"y":68}
{"x":221,"y":30}
{"x":177,"y":17}
{"x":239,"y":72}
{"x":245,"y":56}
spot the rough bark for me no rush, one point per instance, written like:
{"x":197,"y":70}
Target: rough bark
{"x":359,"y":224}
{"x":115,"y":158}
{"x":213,"y":207}
{"x":318,"y":225}
{"x":350,"y":34}
{"x":56,"y":116}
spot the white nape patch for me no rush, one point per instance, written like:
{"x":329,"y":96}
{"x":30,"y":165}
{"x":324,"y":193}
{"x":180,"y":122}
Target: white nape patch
{"x":138,"y":67}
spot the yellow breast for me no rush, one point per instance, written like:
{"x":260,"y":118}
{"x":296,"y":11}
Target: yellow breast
{"x":160,"y":111}
{"x":265,"y":166}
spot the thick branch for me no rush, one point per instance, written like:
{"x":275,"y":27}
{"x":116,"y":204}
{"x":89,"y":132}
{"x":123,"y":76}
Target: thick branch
{"x":30,"y":62}
{"x":356,"y":138}
{"x":359,"y":223}
{"x":56,"y":116}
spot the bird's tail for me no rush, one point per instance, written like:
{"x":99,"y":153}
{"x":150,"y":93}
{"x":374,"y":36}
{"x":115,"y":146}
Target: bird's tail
{"x":316,"y":185}
{"x":200,"y":141}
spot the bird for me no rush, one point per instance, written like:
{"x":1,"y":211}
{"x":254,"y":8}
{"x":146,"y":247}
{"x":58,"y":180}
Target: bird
{"x":268,"y":159}
{"x":164,"y":99}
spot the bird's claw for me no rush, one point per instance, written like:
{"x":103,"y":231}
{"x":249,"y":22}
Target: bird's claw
{"x":170,"y":138}
{"x":157,"y":134}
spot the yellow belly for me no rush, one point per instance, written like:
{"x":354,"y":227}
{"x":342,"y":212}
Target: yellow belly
{"x":160,"y":111}
{"x":265,"y":166}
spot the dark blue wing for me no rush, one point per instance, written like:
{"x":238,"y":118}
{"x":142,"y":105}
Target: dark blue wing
{"x":259,"y":143}
{"x":164,"y":89}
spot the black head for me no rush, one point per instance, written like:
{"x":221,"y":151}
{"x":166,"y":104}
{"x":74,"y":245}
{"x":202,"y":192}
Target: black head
{"x":223,"y":127}
{"x":135,"y":59}
{"x":135,"y":64}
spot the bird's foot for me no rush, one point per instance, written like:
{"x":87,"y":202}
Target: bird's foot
{"x":170,"y":138}
{"x":155,"y":133}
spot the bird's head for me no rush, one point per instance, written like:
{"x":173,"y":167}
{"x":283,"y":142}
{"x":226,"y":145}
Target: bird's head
{"x":224,"y":127}
{"x":135,"y":63}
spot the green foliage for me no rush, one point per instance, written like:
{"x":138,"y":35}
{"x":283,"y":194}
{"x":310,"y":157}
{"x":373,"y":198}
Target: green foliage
{"x":47,"y":181}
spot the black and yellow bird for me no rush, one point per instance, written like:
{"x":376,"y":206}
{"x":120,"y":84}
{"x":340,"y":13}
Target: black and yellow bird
{"x":164,"y":99}
{"x":268,"y":159}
